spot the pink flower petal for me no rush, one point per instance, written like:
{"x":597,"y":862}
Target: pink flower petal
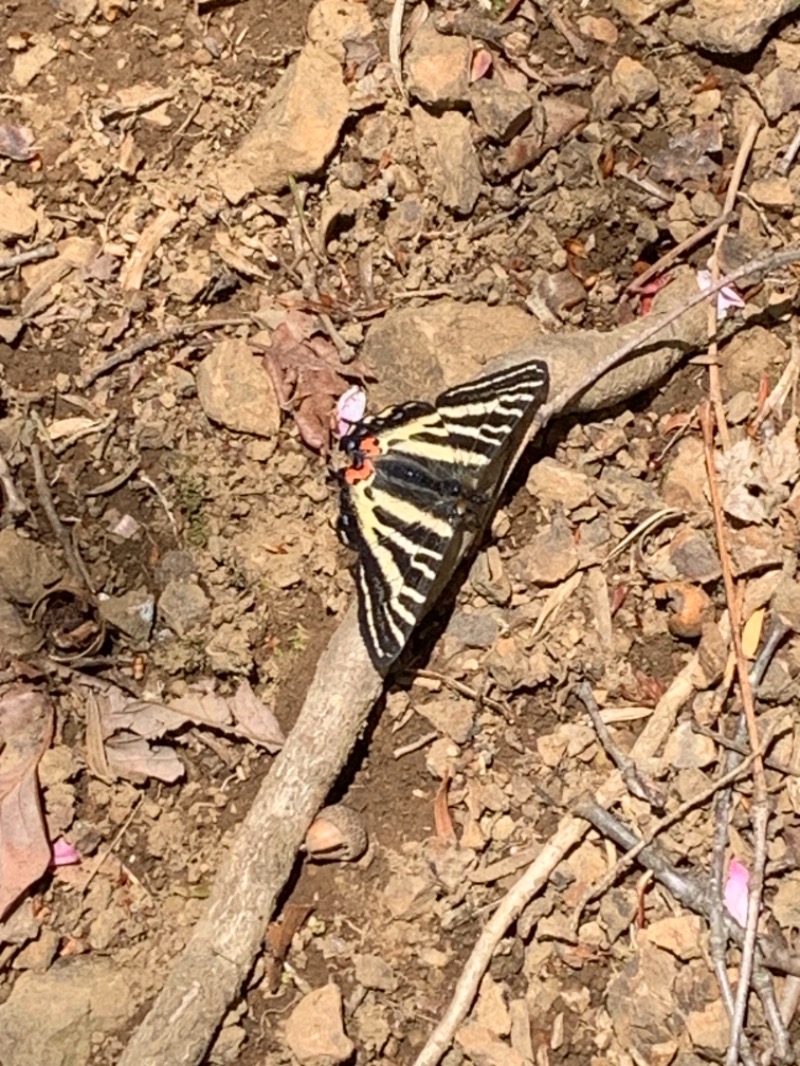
{"x":350,"y":408}
{"x":727,"y":298}
{"x":735,"y":896}
{"x":64,"y":854}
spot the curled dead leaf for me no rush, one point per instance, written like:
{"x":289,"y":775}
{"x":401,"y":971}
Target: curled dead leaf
{"x":336,"y":834}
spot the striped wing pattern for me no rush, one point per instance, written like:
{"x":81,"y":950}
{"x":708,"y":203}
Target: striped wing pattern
{"x":422,"y":476}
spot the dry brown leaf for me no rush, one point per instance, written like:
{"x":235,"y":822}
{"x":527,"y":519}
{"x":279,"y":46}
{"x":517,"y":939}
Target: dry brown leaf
{"x":26,"y":730}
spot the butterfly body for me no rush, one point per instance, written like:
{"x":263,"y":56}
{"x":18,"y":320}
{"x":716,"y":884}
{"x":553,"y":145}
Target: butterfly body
{"x":421,"y":482}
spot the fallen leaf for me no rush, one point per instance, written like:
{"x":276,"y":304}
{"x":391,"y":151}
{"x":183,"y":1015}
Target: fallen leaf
{"x":26,"y":730}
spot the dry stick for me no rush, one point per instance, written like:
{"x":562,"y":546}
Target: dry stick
{"x":152,"y":340}
{"x":759,"y":809}
{"x":74,"y":561}
{"x":714,"y":384}
{"x":570,"y":832}
{"x":32,"y":255}
{"x":208,"y":975}
{"x":686,"y":245}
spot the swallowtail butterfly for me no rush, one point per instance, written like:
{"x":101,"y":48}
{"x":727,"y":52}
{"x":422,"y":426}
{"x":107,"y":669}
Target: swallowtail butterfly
{"x":422,"y":479}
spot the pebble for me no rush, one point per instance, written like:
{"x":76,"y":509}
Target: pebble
{"x":182,"y":606}
{"x":132,"y":614}
{"x":314,"y":1030}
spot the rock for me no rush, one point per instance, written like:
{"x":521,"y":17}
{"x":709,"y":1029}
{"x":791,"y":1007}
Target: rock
{"x":314,"y":1030}
{"x":26,"y":568}
{"x":229,"y":650}
{"x":772,"y":192}
{"x":452,"y":717}
{"x":638,"y":11}
{"x":549,"y":556}
{"x":31,"y":63}
{"x":421,"y":351}
{"x":446,"y":151}
{"x":490,"y":1009}
{"x":86,"y":998}
{"x":754,"y":548}
{"x":476,"y":630}
{"x":598,"y":29}
{"x":709,"y":1028}
{"x":686,"y":750}
{"x":561,"y":292}
{"x":730,"y":26}
{"x":483,"y":1048}
{"x":234,"y":390}
{"x":637,"y":84}
{"x":690,"y":607}
{"x":748,"y":358}
{"x":407,"y":895}
{"x":132,"y":614}
{"x":693,"y":557}
{"x":780,"y":92}
{"x":785,"y":904}
{"x":683,"y":486}
{"x":646,"y":980}
{"x":550,"y":482}
{"x":500,"y":112}
{"x":489,"y":579}
{"x":17,"y":217}
{"x":373,"y":972}
{"x":182,"y":606}
{"x":437,"y":68}
{"x":299,"y":126}
{"x":16,"y":638}
{"x":786,"y":602}
{"x":617,"y":912}
{"x":331,"y":23}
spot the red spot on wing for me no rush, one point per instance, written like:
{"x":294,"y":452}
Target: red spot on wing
{"x":354,"y":474}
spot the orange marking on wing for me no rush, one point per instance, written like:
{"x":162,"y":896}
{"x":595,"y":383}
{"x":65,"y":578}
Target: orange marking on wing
{"x":369,"y":446}
{"x":354,"y":474}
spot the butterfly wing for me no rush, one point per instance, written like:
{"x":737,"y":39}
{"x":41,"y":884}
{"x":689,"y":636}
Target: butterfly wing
{"x":402,"y":519}
{"x":486,"y":419}
{"x":404,"y":499}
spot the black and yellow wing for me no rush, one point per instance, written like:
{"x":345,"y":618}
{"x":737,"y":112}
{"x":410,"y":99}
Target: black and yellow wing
{"x":421,"y":476}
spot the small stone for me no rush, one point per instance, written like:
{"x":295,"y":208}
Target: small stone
{"x":500,"y":112}
{"x":39,"y":954}
{"x":551,"y":482}
{"x":234,"y":390}
{"x":550,"y":556}
{"x":617,"y":912}
{"x":31,"y":63}
{"x":182,"y":606}
{"x":299,"y":125}
{"x":772,"y":192}
{"x":351,"y":174}
{"x":17,"y":216}
{"x":561,"y":292}
{"x":489,"y":578}
{"x":26,"y":568}
{"x":448,"y":155}
{"x":132,"y":614}
{"x":598,"y":29}
{"x":437,"y":68}
{"x":374,"y":972}
{"x":780,"y":92}
{"x":490,"y":1010}
{"x":16,"y":638}
{"x":479,"y":629}
{"x":753,"y":549}
{"x":636,"y":83}
{"x":709,"y":1029}
{"x":686,"y":749}
{"x":454,"y":718}
{"x":409,"y":895}
{"x":484,"y":1048}
{"x":314,"y":1030}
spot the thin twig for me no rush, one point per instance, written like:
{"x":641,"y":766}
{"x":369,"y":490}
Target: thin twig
{"x":415,"y":745}
{"x":153,"y":340}
{"x":789,"y":155}
{"x":759,"y":807}
{"x":74,"y":561}
{"x":395,"y":37}
{"x":686,"y":245}
{"x":714,"y":383}
{"x":32,"y":255}
{"x":560,"y":401}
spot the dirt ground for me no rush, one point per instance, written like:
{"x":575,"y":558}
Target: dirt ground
{"x":214,"y":219}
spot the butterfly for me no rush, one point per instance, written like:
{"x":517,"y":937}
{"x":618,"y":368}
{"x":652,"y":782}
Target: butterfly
{"x":422,"y":480}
